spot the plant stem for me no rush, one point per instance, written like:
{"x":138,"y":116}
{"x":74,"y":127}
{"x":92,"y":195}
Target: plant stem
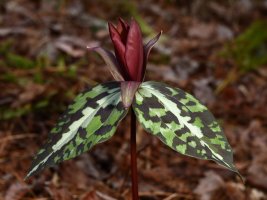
{"x":134,"y":157}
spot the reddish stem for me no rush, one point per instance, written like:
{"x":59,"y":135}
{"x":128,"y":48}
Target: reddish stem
{"x":134,"y":157}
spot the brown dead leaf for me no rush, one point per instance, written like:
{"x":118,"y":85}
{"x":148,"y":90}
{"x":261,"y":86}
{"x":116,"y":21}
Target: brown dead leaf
{"x":184,"y":67}
{"x":79,"y":178}
{"x":201,"y":31}
{"x":31,"y":91}
{"x":104,"y":196}
{"x":16,"y":191}
{"x":97,"y":195}
{"x":207,"y":185}
{"x":12,"y":31}
{"x":213,"y":187}
{"x":91,"y":196}
{"x":208,"y":31}
{"x":59,"y":193}
{"x":203,"y":90}
{"x":69,"y":49}
{"x":230,"y":191}
{"x":258,"y":171}
{"x":166,"y":73}
{"x":73,"y":46}
{"x":257,"y":195}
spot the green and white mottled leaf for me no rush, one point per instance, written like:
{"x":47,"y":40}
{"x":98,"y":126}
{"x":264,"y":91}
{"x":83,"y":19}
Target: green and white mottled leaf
{"x":180,"y":121}
{"x":92,"y":118}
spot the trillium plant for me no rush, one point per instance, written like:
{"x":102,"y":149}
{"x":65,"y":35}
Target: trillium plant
{"x":177,"y":118}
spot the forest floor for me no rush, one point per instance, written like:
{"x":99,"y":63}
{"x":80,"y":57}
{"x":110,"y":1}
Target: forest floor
{"x":44,"y":64}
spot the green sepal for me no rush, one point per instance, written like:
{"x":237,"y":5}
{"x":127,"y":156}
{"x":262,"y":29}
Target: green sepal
{"x":181,"y":122}
{"x":91,"y":119}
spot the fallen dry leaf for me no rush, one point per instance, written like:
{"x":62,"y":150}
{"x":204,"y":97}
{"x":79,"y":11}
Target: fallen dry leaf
{"x":16,"y":191}
{"x":230,"y":191}
{"x":207,"y":185}
{"x":31,"y":91}
{"x":91,"y":196}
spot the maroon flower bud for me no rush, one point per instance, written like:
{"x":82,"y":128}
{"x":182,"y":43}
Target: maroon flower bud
{"x":128,"y":46}
{"x":129,"y":62}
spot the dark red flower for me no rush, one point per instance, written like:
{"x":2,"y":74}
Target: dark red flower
{"x":128,"y":46}
{"x":129,"y":62}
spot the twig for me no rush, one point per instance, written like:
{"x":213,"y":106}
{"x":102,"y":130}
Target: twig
{"x":16,"y":137}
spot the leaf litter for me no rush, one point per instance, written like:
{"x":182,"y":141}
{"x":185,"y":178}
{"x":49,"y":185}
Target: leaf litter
{"x":51,"y":35}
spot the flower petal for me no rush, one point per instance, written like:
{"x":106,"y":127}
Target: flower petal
{"x":150,"y":44}
{"x":124,"y":23}
{"x":111,"y":62}
{"x":147,"y":49}
{"x":123,"y":29}
{"x":119,"y":47}
{"x":134,"y":52}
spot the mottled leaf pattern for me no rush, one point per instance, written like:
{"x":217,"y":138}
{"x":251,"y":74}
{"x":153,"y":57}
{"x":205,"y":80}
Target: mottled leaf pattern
{"x":180,"y":121}
{"x":92,"y":118}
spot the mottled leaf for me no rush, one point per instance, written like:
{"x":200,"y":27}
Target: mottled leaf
{"x":92,"y":118}
{"x":180,"y":121}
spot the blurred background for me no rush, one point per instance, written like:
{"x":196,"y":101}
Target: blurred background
{"x":216,"y":50}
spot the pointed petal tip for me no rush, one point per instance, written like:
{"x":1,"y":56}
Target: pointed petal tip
{"x":112,"y":29}
{"x":134,"y":22}
{"x":123,"y":22}
{"x":134,"y":51}
{"x":111,"y":62}
{"x":151,"y":43}
{"x":110,"y":24}
{"x":147,"y":49}
{"x":159,"y":34}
